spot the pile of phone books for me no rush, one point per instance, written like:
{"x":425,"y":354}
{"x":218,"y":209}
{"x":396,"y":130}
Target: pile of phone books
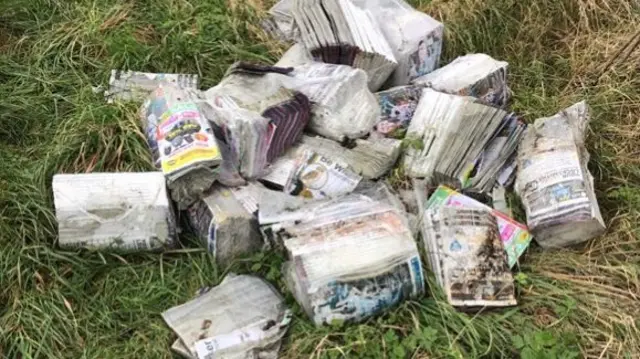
{"x":476,"y":75}
{"x":496,"y":163}
{"x":338,"y":32}
{"x":467,"y":257}
{"x":342,"y":105}
{"x":181,"y":142}
{"x":118,"y":211}
{"x":414,"y":37}
{"x":225,"y":223}
{"x":514,"y":235}
{"x":280,"y":23}
{"x":242,"y":317}
{"x":349,"y":258}
{"x":136,"y":86}
{"x":451,"y":132}
{"x":397,"y":106}
{"x":553,"y":180}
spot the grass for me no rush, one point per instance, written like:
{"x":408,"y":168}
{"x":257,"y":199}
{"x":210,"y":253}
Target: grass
{"x":576,"y":302}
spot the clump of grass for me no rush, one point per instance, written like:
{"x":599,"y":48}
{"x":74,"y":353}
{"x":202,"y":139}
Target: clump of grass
{"x":579,"y":301}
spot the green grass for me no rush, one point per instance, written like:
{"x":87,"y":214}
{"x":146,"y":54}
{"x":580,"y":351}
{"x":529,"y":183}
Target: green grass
{"x":578,"y":302}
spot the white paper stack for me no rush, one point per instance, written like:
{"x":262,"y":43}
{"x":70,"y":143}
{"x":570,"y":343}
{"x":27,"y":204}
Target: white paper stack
{"x":476,"y":75}
{"x":553,"y":181}
{"x":338,"y":32}
{"x":243,"y":317}
{"x":136,"y":86}
{"x":296,"y":55}
{"x":414,"y":37}
{"x":467,"y":257}
{"x":120,"y":211}
{"x":224,"y":221}
{"x":343,"y":107}
{"x":448,"y":134}
{"x":350,"y":258}
{"x":181,"y":142}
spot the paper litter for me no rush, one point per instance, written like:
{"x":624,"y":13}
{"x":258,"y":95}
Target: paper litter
{"x":338,"y":32}
{"x":397,"y":106}
{"x":280,"y":23}
{"x":476,"y":75}
{"x":553,"y":180}
{"x":467,"y":257}
{"x":349,"y":258}
{"x":453,"y":131}
{"x":242,"y":317}
{"x":181,"y":142}
{"x":224,"y":221}
{"x":137,"y":86}
{"x":414,"y":37}
{"x":119,"y":211}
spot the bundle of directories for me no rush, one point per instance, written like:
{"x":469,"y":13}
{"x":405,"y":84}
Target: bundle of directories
{"x":181,"y":142}
{"x":255,"y":118}
{"x":468,"y":258}
{"x":224,"y":220}
{"x":343,"y":107}
{"x":397,"y":107}
{"x":515,"y":236}
{"x":280,"y":23}
{"x":338,"y":32}
{"x":121,"y":211}
{"x":242,"y":317}
{"x":414,"y":37}
{"x":452,"y":132}
{"x":349,"y":258}
{"x":367,"y":158}
{"x":476,"y":75}
{"x":134,"y":85}
{"x":553,"y":181}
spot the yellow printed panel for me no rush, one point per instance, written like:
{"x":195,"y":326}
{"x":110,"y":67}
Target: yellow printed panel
{"x":190,"y":156}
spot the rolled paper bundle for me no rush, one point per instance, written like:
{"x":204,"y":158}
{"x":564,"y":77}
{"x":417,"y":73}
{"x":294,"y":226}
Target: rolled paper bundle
{"x":553,"y":181}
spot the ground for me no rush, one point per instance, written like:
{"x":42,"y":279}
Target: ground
{"x":578,"y":302}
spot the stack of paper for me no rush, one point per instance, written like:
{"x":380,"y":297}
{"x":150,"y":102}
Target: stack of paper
{"x":476,"y":75}
{"x":515,"y":236}
{"x":133,"y":85}
{"x":397,"y":106}
{"x":338,"y":32}
{"x":553,"y":181}
{"x":447,"y":135}
{"x":121,"y":211}
{"x":343,"y":107}
{"x":225,"y":223}
{"x":414,"y":37}
{"x":370,"y":159}
{"x":316,"y":176}
{"x":350,"y":258}
{"x":296,"y":55}
{"x":181,"y":142}
{"x":280,"y":23}
{"x":467,"y":257}
{"x":243,"y":317}
{"x":496,"y":162}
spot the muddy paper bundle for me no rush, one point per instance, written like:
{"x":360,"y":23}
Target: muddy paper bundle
{"x":553,"y":181}
{"x":225,"y":223}
{"x":119,"y":211}
{"x":448,"y":133}
{"x":134,"y":85}
{"x":476,"y":75}
{"x":515,"y":236}
{"x":242,"y":317}
{"x":495,"y":166}
{"x":280,"y":23}
{"x":181,"y":142}
{"x":343,"y":107}
{"x":349,"y":258}
{"x":338,"y":32}
{"x":468,"y":258}
{"x":397,"y":106}
{"x":414,"y":37}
